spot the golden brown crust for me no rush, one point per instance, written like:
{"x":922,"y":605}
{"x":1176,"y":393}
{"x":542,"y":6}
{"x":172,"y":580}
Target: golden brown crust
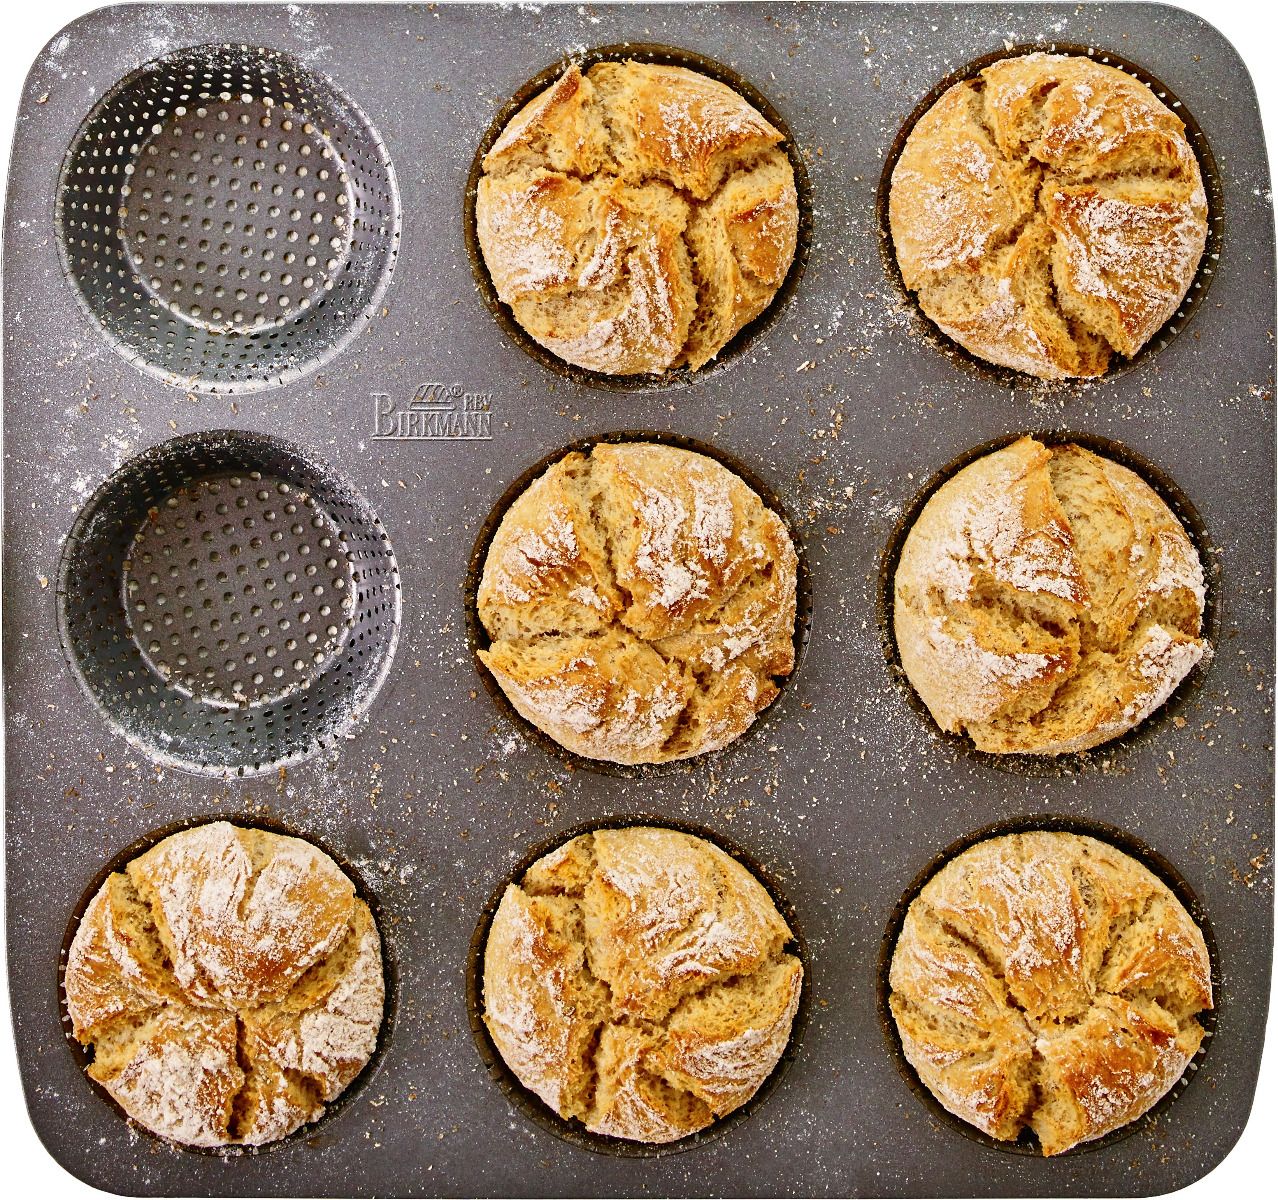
{"x":1046,"y":601}
{"x":1049,"y":981}
{"x":636,"y":217}
{"x":243,"y":913}
{"x":641,"y":603}
{"x":229,"y":982}
{"x":637,"y":979}
{"x":1048,"y":213}
{"x":115,"y":967}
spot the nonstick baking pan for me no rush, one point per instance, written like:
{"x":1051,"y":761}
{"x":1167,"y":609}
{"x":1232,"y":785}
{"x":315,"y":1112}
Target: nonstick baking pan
{"x":205,"y":373}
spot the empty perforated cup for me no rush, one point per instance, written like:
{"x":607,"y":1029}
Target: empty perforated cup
{"x":228,"y":218}
{"x":229,"y":603}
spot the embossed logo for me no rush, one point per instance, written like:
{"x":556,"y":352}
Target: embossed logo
{"x":437,"y":412}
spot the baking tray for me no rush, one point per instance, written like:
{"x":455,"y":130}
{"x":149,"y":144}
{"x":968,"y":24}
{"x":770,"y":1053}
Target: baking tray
{"x":844,"y":406}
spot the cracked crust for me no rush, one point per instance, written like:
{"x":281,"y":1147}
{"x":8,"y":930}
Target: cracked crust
{"x":1048,"y":981}
{"x":1046,"y":601}
{"x":641,"y":603}
{"x":229,"y":982}
{"x":637,"y":980}
{"x":636,"y":217}
{"x":1048,"y":214}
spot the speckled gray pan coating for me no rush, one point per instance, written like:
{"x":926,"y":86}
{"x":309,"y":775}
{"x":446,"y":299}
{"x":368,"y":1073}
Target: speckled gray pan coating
{"x":844,"y":407}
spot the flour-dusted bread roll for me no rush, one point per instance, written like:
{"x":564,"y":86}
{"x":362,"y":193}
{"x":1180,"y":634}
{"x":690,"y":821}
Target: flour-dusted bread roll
{"x":641,"y":603}
{"x":229,"y":982}
{"x":635,"y":217}
{"x":1046,"y":601}
{"x":637,"y":979}
{"x":1048,"y":981}
{"x":1048,"y":214}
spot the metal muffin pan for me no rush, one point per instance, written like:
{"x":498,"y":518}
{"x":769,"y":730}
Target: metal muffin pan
{"x":843,"y":406}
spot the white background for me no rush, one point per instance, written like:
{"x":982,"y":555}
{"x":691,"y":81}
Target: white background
{"x":28,"y":1170}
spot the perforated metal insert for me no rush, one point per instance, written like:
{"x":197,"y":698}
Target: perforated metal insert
{"x":228,"y":218}
{"x":228,"y":602}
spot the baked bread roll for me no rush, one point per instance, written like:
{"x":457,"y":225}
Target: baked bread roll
{"x":641,"y":603}
{"x":229,"y":983}
{"x":637,"y":979}
{"x":1048,"y":981}
{"x":1046,"y":601}
{"x":634,"y":218}
{"x":1048,"y":214}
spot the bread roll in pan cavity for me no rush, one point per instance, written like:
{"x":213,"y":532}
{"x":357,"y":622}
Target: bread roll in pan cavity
{"x":573,"y":1131}
{"x":1100,"y":757}
{"x":1148,"y":857}
{"x":479,"y":639}
{"x":842,"y":406}
{"x":1195,"y":297}
{"x":321,"y":1128}
{"x":666,"y":56}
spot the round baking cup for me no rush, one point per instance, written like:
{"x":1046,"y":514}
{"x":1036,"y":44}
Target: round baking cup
{"x":1194,"y":297}
{"x":478,"y":638}
{"x":532,"y":1107}
{"x":228,"y":602}
{"x":316,"y":1132}
{"x":1185,"y":512}
{"x":665,"y":56}
{"x":227,"y":218}
{"x":1028,"y":1144}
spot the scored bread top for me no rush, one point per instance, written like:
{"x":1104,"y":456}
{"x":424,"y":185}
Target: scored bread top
{"x":1046,"y":601}
{"x":637,"y":979}
{"x":1049,"y":981}
{"x":230,"y":983}
{"x":637,"y":216}
{"x":641,"y":603}
{"x":1048,"y":213}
